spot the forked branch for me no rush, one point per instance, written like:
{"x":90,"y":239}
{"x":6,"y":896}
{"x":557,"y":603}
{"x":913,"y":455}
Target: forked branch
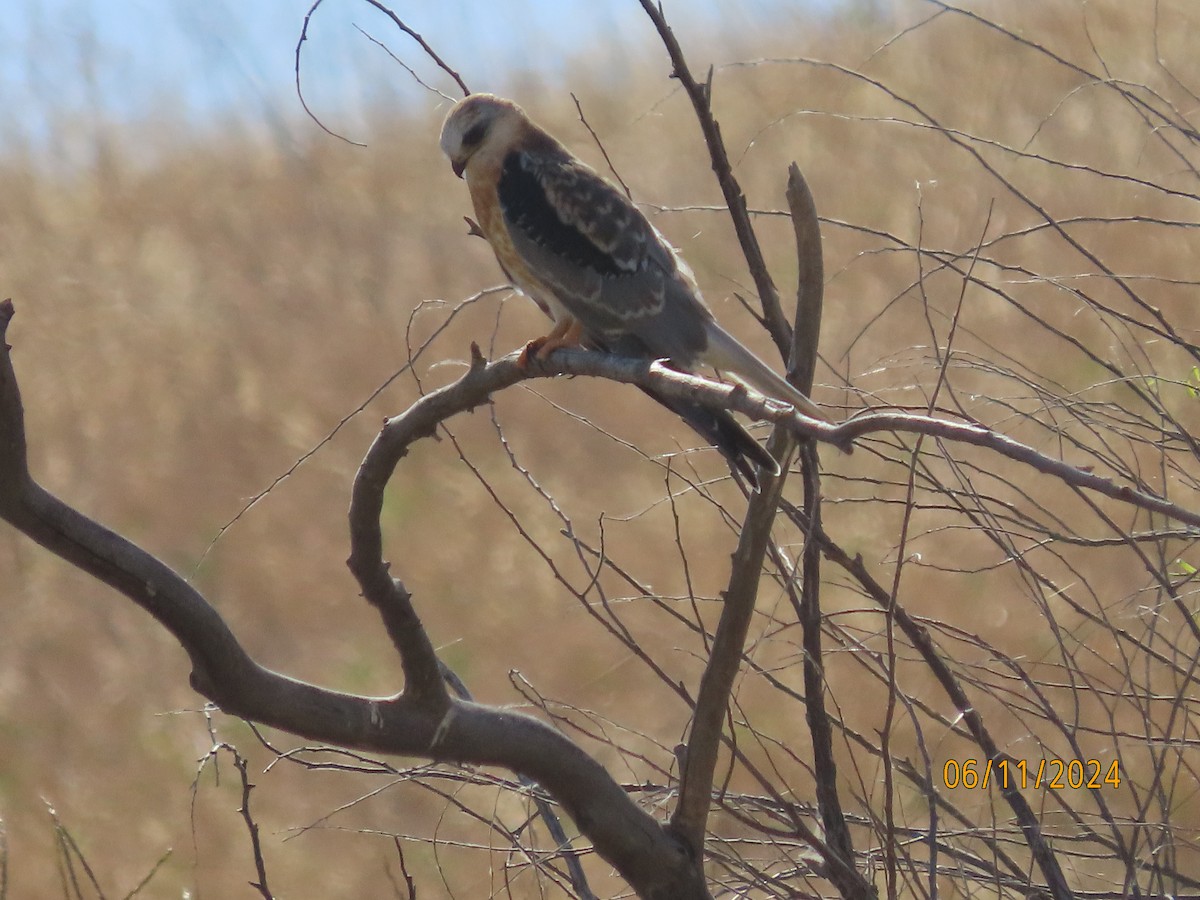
{"x":423,"y":720}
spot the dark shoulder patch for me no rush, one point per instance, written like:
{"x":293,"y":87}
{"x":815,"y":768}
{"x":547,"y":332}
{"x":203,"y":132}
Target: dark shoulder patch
{"x":527,"y":209}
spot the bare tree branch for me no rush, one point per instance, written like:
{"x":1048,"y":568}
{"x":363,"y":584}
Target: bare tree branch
{"x":429,"y":51}
{"x":921,"y":640}
{"x":843,"y":435}
{"x":299,"y":88}
{"x":701,"y":97}
{"x":724,"y":661}
{"x":399,"y":23}
{"x":421,"y":721}
{"x":241,"y":764}
{"x":802,"y":364}
{"x":810,"y":285}
{"x":725,"y":656}
{"x":1020,"y":587}
{"x":3,"y":861}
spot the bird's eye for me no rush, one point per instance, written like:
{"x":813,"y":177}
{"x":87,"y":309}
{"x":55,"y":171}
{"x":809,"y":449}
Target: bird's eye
{"x":474,"y":134}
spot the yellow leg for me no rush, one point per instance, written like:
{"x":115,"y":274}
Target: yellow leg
{"x":567,"y":332}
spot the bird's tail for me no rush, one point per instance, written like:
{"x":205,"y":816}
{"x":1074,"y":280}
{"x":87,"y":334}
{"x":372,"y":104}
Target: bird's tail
{"x":726,"y":354}
{"x":718,"y":426}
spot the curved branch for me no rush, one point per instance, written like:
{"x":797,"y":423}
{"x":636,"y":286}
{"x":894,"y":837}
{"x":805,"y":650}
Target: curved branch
{"x":810,"y":285}
{"x":802,"y":366}
{"x":399,"y":23}
{"x":421,"y":721}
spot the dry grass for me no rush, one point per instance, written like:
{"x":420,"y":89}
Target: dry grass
{"x":189,"y":328}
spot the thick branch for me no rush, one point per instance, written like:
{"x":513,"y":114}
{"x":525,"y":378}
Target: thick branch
{"x":724,"y":662}
{"x":810,"y":298}
{"x":14,"y":467}
{"x":408,"y":724}
{"x":725,"y":659}
{"x":651,"y":860}
{"x":720,"y":674}
{"x":810,"y":285}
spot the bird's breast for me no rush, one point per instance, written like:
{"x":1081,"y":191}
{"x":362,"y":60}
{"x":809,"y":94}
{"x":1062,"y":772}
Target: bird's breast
{"x":491,"y":221}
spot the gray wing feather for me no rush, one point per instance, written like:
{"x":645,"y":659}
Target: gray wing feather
{"x":602,"y":258}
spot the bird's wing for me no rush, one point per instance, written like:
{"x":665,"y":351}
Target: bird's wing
{"x":585,"y":242}
{"x":604,"y":261}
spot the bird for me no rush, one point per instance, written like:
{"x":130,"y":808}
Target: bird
{"x":590,"y":259}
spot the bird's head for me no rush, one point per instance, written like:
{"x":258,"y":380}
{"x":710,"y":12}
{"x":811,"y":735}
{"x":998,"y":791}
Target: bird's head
{"x":476,"y":123}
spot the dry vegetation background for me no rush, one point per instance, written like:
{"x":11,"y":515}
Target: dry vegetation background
{"x":193,"y":319}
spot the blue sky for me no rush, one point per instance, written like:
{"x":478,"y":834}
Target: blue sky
{"x":131,"y":59}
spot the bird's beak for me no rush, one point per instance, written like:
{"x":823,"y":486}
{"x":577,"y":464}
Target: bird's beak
{"x":458,"y":165}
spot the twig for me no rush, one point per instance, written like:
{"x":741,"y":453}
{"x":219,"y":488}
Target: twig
{"x":399,"y":23}
{"x":701,"y":97}
{"x":158,"y":864}
{"x":3,"y":861}
{"x":402,"y":64}
{"x":68,"y":848}
{"x":429,"y":51}
{"x":300,"y":90}
{"x":409,"y":366}
{"x":260,"y":865}
{"x":600,"y":144}
{"x":408,"y":879}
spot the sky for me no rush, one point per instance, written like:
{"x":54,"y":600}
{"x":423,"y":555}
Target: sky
{"x":131,"y":59}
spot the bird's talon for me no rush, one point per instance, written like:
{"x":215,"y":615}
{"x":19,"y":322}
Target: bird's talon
{"x":533,"y":350}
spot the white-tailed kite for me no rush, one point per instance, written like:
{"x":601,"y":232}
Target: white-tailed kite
{"x":591,"y":260}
